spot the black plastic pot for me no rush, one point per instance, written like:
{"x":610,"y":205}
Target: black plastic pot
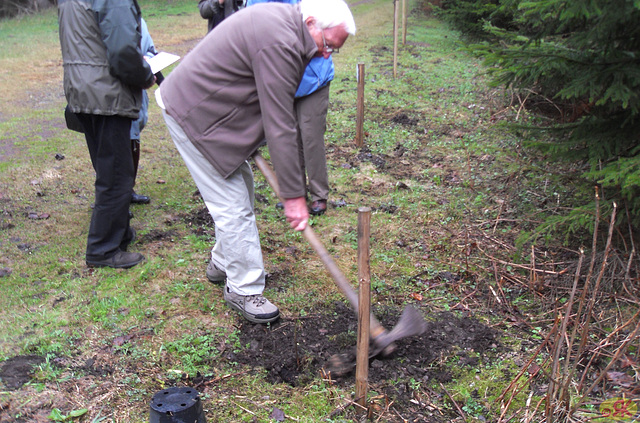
{"x":176,"y":405}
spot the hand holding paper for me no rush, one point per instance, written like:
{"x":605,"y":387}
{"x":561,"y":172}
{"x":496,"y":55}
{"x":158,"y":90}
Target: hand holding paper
{"x":161,"y":61}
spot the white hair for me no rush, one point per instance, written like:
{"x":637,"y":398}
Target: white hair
{"x":329,"y":14}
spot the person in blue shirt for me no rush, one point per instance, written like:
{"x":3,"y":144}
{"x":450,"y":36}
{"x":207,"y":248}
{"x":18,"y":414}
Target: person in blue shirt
{"x":312,"y":102}
{"x":148,"y":50}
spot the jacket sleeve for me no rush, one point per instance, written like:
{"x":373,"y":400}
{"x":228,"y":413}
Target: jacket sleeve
{"x":277,"y":72}
{"x":146,"y":43}
{"x":121,"y":35}
{"x":210,"y":8}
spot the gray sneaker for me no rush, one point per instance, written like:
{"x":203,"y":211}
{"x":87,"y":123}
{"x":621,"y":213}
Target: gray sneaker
{"x":214,"y":274}
{"x":254,"y":308}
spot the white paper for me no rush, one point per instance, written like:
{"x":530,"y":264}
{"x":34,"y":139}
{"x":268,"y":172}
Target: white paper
{"x":161,"y":61}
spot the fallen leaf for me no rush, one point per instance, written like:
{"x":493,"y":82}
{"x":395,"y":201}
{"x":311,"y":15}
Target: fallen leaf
{"x":277,"y":415}
{"x":620,"y":379}
{"x":291,"y":250}
{"x":533,"y":369}
{"x":121,"y":340}
{"x":626,"y":361}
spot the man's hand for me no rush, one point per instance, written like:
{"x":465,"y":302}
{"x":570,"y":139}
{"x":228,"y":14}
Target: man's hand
{"x":295,"y":210}
{"x":151,"y":85}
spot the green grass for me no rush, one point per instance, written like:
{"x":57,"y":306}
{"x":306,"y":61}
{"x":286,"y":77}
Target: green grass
{"x":447,"y":187}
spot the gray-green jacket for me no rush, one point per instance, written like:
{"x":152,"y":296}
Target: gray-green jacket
{"x":104,"y":71}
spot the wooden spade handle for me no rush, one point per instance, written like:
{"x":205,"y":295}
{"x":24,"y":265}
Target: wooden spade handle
{"x":375,"y":328}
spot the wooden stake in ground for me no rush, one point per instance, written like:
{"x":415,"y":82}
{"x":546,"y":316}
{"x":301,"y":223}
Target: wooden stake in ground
{"x":404,"y":21}
{"x":395,"y":38}
{"x":362,"y":358}
{"x":360,"y":106}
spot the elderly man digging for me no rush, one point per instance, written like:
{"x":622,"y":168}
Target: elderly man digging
{"x":232,"y":91}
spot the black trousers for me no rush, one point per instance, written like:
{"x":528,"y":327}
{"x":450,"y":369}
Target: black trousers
{"x":109,"y":143}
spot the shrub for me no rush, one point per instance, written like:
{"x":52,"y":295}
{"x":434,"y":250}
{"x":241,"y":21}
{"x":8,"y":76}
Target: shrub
{"x":10,"y":8}
{"x":584,"y":56}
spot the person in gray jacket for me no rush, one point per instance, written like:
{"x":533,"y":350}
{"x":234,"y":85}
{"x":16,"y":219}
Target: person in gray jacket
{"x":233,"y":90}
{"x":104,"y":75}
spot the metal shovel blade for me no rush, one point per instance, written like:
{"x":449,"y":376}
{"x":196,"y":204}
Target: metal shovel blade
{"x":411,"y":323}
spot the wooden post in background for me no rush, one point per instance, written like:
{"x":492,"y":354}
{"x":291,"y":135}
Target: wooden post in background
{"x":364,"y":308}
{"x":404,"y":21}
{"x":395,"y":38}
{"x":360,"y":106}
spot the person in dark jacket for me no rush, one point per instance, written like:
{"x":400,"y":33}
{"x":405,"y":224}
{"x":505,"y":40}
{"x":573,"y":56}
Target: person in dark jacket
{"x":215,"y":11}
{"x":104,"y":75}
{"x":235,"y":89}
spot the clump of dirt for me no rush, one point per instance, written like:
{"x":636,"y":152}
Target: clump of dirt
{"x":377,"y":160}
{"x":17,"y":370}
{"x":200,"y":222}
{"x":155,"y":235}
{"x":296,"y":350}
{"x":405,"y":120}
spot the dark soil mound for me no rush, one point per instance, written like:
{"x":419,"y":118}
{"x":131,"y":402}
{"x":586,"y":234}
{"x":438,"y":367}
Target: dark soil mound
{"x":294,"y":351}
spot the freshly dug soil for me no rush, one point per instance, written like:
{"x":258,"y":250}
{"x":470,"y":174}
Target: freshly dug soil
{"x":294,"y":351}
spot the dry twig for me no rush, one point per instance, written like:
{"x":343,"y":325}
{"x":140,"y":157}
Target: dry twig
{"x":464,"y":417}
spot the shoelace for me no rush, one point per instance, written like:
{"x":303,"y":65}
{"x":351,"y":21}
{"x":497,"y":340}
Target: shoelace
{"x":258,"y":300}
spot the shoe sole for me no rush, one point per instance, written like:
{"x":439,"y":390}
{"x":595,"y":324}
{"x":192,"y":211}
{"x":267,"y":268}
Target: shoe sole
{"x":251,"y":317}
{"x":118,"y":266}
{"x":214,"y":280}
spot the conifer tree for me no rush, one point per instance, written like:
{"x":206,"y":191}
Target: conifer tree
{"x":585,"y":56}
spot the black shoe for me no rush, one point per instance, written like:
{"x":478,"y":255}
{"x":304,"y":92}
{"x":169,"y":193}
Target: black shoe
{"x":318,"y":207}
{"x":139,"y":199}
{"x":120,"y":260}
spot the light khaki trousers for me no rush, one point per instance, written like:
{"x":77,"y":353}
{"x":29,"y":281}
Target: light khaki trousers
{"x":230,"y":203}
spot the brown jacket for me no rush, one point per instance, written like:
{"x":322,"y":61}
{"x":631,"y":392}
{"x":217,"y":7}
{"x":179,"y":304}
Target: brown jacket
{"x":237,"y":87}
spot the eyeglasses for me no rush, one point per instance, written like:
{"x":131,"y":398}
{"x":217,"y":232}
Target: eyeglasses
{"x":326,"y":47}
